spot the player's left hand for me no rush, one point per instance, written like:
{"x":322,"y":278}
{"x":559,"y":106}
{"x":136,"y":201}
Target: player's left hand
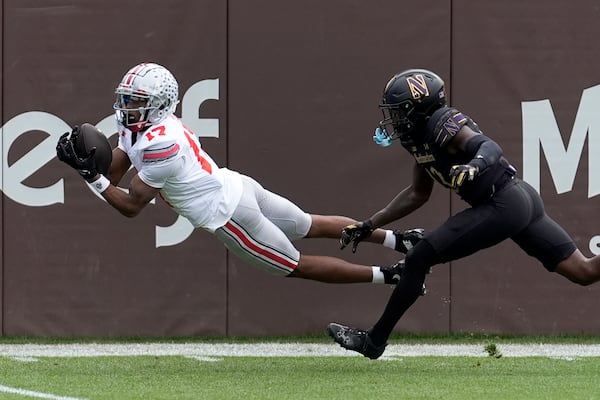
{"x":355,"y":233}
{"x":462,"y":173}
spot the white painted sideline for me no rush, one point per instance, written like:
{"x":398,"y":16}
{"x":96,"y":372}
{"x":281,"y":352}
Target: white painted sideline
{"x":199,"y":350}
{"x":31,"y":393}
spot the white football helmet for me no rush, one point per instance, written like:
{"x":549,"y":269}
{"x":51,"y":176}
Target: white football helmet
{"x":153,"y":84}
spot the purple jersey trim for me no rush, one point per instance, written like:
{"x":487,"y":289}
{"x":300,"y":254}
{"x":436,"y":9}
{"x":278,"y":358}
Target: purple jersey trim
{"x":450,"y":128}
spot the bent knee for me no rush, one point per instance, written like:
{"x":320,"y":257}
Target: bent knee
{"x":421,"y":257}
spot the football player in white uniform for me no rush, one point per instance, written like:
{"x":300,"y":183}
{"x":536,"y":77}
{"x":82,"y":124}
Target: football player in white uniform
{"x":254,"y":223}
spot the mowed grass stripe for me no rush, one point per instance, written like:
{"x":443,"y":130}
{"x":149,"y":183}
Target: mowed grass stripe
{"x":290,"y":378}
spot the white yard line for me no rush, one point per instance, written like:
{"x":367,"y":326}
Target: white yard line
{"x":31,"y":393}
{"x":200,"y":350}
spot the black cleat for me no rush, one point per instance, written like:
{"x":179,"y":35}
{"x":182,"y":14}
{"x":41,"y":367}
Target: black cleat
{"x":392,"y":274}
{"x":355,"y":340}
{"x":406,"y":240}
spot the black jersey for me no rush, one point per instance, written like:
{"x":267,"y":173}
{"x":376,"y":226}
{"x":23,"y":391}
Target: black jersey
{"x":431,"y":152}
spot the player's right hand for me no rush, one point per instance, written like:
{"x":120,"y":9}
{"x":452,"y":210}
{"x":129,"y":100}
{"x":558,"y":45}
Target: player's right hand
{"x":65,"y":151}
{"x":462,"y":173}
{"x":355,"y":233}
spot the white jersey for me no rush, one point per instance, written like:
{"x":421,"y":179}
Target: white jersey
{"x":169,"y":157}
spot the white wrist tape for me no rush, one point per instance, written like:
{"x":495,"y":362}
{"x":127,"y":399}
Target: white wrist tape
{"x":390,"y":239}
{"x":377,"y":275}
{"x":101,"y":184}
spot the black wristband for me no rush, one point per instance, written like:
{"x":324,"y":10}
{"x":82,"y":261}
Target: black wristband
{"x":478,"y":162}
{"x":485,"y":151}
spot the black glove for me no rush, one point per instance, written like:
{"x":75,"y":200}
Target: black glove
{"x":356,"y":233}
{"x":65,"y":151}
{"x":406,"y":240}
{"x":460,"y":173}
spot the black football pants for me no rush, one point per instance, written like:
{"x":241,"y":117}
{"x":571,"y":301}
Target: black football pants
{"x":516,"y":211}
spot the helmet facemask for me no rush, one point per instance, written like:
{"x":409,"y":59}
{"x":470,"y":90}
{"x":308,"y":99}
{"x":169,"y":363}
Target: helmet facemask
{"x":134,"y":118}
{"x":396,"y":123}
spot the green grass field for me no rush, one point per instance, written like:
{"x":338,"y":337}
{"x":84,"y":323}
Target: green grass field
{"x":76,"y":374}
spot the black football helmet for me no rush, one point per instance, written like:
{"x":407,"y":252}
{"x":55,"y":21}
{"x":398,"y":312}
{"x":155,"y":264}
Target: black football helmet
{"x":409,"y":99}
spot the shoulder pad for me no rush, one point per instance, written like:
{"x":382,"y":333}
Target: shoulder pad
{"x":160,"y":142}
{"x":445,"y":124}
{"x":161,"y":151}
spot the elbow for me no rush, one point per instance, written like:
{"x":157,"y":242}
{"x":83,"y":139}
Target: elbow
{"x":418,"y":199}
{"x":126,"y":205}
{"x":130,"y":212}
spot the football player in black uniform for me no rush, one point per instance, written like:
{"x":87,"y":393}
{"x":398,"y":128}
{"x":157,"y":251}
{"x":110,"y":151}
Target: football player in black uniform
{"x":449,"y":148}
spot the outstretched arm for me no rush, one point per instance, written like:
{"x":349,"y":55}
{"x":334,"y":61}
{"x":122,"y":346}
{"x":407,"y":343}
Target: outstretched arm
{"x":119,"y":166}
{"x":407,"y":201}
{"x":130,"y":204}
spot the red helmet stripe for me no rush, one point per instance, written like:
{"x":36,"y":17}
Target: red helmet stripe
{"x":133,"y":73}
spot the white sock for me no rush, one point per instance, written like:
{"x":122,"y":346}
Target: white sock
{"x":390,"y":239}
{"x":377,"y":275}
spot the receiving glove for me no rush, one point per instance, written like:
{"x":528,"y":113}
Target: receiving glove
{"x":65,"y":151}
{"x":356,"y":233}
{"x":460,"y":173}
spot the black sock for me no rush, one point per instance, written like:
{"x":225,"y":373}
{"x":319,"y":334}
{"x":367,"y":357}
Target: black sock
{"x":405,"y":294}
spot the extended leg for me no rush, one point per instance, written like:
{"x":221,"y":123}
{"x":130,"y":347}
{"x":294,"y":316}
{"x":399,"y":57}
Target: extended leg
{"x":372,"y":343}
{"x":335,"y":270}
{"x":580,"y":269}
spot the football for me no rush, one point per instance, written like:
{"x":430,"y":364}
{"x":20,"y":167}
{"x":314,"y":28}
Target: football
{"x":89,"y":137}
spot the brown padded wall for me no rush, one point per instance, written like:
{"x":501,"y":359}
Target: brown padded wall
{"x":305,"y":81}
{"x":79,"y":268}
{"x":299,"y":85}
{"x":505,"y":53}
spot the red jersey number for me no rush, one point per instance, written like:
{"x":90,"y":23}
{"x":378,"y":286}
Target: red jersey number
{"x":198,"y":151}
{"x":160,"y":131}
